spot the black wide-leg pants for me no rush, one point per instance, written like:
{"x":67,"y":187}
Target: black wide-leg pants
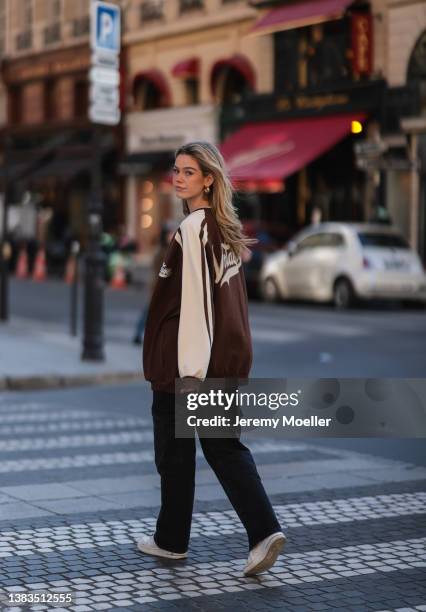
{"x":231,"y":461}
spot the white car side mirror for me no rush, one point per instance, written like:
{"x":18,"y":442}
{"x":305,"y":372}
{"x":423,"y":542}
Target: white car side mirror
{"x":291,"y":248}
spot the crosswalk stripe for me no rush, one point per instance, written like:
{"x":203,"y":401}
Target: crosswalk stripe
{"x":185,"y":579}
{"x":62,"y":462}
{"x":86,"y":425}
{"x":34,"y":417}
{"x":104,"y":439}
{"x":28,"y":444}
{"x":419,"y":608}
{"x":113,"y":533}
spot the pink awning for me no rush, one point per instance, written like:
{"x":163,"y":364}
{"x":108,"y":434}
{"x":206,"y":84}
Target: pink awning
{"x":272,"y":151}
{"x":300,"y":14}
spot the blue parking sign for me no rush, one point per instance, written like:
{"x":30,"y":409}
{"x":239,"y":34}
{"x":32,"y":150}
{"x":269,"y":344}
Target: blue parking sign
{"x":106,"y":27}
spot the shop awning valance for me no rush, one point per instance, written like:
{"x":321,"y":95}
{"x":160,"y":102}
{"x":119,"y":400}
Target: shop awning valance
{"x":187,"y":69}
{"x":300,"y":14}
{"x":271,"y":151}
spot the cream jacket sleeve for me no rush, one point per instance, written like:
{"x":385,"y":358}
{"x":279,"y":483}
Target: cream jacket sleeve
{"x":195,"y":334}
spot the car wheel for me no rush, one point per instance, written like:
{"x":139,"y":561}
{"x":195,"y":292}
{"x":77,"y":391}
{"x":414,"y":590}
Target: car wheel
{"x":343,"y":294}
{"x":270,"y":292}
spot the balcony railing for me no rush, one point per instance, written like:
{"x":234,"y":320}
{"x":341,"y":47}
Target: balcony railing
{"x":151,"y":10}
{"x":81,"y":26}
{"x":24,"y":40}
{"x":52,"y":33}
{"x":189,"y":5}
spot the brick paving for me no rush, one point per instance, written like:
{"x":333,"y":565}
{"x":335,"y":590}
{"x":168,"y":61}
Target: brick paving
{"x":78,"y":488}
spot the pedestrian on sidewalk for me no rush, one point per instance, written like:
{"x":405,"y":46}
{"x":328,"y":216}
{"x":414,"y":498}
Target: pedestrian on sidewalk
{"x":165,"y":237}
{"x":198,"y":327}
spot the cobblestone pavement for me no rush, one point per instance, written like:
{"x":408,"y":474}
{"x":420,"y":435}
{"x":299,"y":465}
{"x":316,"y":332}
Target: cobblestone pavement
{"x":78,"y":488}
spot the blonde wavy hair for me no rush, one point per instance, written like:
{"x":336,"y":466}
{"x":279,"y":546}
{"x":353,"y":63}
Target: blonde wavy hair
{"x":211,"y":162}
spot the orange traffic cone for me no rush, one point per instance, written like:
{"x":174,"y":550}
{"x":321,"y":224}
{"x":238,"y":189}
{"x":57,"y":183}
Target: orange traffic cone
{"x":118,"y":280}
{"x":22,"y":264}
{"x":39,"y":273}
{"x":71,"y":269}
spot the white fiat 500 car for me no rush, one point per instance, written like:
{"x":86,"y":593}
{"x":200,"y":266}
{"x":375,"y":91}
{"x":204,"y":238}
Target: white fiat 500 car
{"x":341,"y":262}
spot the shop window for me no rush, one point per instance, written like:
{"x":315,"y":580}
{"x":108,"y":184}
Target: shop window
{"x":313,"y":56}
{"x":147,"y":95}
{"x":327,"y":53}
{"x":191,"y":91}
{"x":231,"y":86}
{"x":286,"y":60}
{"x":81,"y":99}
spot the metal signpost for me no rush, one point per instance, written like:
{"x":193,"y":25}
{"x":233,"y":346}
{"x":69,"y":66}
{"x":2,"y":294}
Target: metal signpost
{"x":104,"y":78}
{"x":4,"y":259}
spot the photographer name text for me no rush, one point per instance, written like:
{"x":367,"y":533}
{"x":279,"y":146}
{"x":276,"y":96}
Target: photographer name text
{"x":284,"y":421}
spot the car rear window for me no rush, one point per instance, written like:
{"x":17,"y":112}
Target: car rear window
{"x":382,"y":240}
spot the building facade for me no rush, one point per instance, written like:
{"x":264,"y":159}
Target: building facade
{"x":361,"y":60}
{"x":185,"y":60}
{"x":49,"y":153}
{"x":405,"y":68}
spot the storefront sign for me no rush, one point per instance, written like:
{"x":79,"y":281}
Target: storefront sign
{"x":168,"y":129}
{"x":52,"y":65}
{"x":315,"y":102}
{"x":161,"y":142}
{"x":362,"y":39}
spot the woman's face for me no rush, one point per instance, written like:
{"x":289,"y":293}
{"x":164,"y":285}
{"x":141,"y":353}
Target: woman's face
{"x":188,"y":179}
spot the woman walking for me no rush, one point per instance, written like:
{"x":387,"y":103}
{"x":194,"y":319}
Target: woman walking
{"x":197,"y":327}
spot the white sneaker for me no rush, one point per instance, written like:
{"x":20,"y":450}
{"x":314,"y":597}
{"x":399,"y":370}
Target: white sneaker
{"x":148,"y":545}
{"x":264,"y":554}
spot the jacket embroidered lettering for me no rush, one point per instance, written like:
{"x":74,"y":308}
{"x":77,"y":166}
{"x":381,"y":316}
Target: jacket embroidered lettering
{"x":165,"y":272}
{"x":228,"y":266}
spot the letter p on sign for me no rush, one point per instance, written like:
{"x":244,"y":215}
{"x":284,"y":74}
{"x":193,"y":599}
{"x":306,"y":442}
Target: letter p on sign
{"x":105,"y":27}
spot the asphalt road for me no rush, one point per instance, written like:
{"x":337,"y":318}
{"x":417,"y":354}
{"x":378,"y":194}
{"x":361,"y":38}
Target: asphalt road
{"x":290,"y":340}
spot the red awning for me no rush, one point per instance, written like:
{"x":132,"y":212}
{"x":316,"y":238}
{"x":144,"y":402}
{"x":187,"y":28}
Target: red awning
{"x":239,"y":63}
{"x":265,"y":153}
{"x":158,"y":79}
{"x":300,"y":14}
{"x":187,"y":69}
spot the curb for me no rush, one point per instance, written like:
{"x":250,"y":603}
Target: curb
{"x":52,"y":381}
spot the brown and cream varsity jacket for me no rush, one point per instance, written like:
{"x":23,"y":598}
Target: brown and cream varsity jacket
{"x":197,"y":322}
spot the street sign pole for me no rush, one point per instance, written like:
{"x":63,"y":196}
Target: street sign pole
{"x":104,"y":110}
{"x":4,"y":259}
{"x":93,"y":339}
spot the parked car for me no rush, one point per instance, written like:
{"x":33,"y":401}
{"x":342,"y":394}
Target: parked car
{"x":343,"y":262}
